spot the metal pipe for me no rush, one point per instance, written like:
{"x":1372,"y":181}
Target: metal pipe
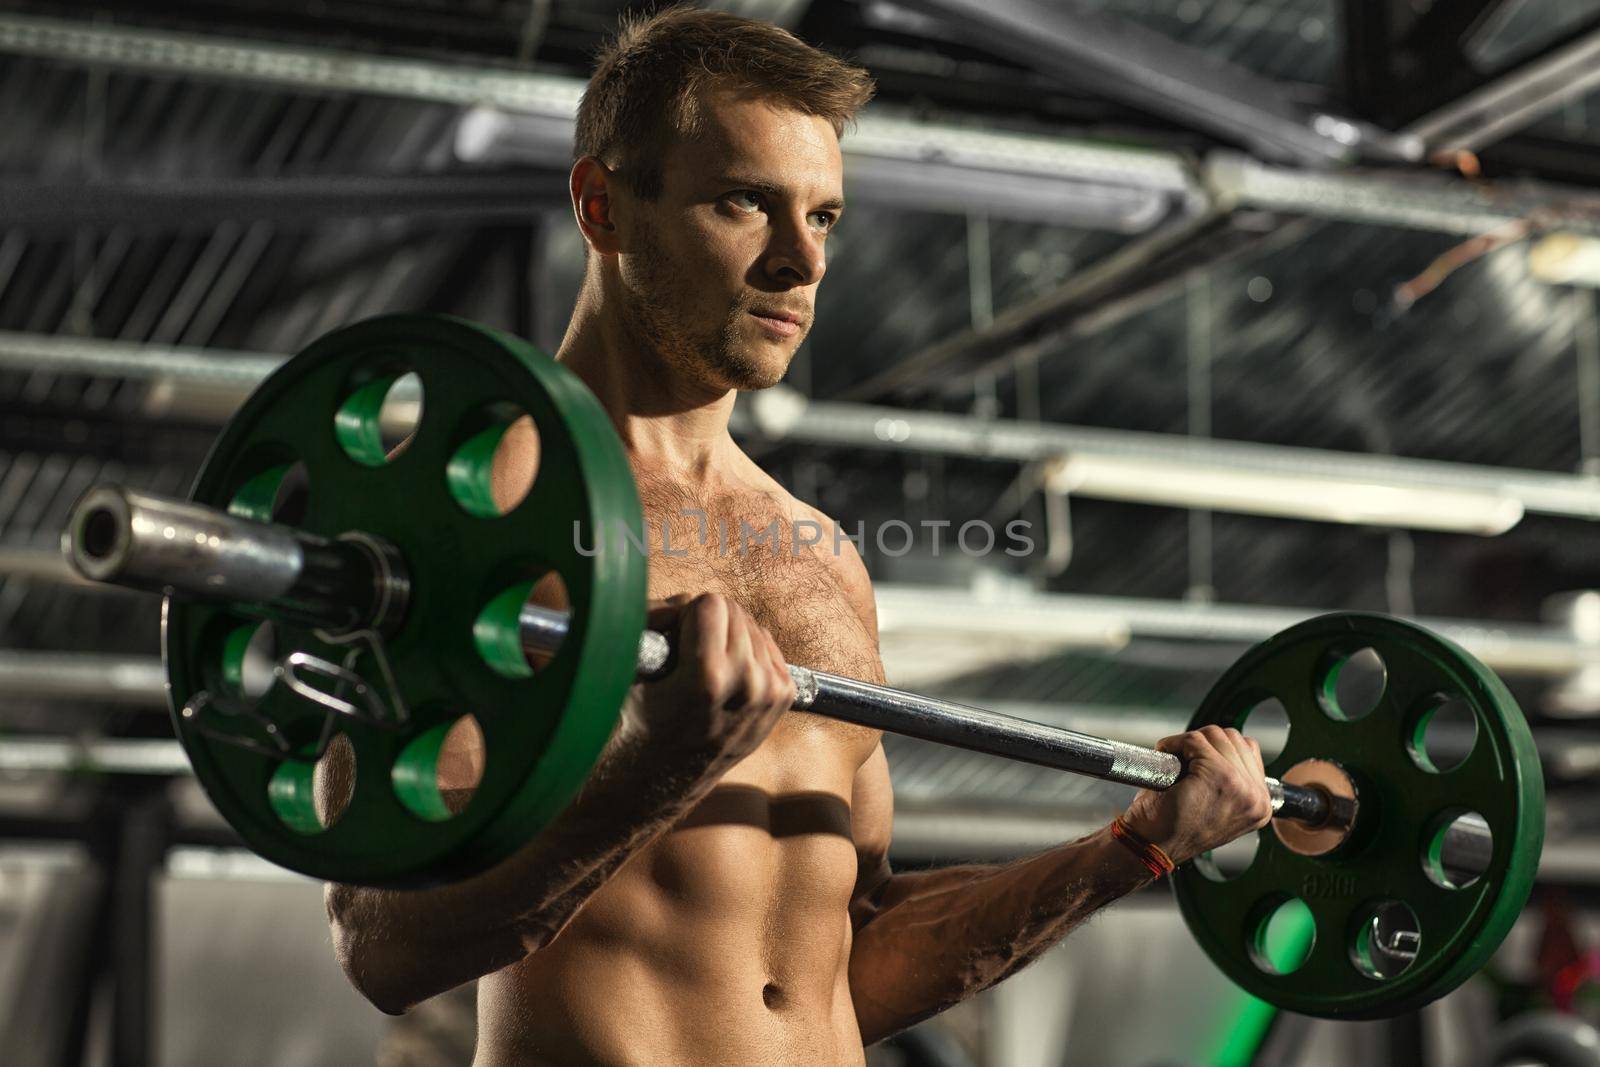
{"x":1432,"y":202}
{"x":93,"y":756}
{"x":286,"y":200}
{"x":540,"y":109}
{"x":237,"y":371}
{"x":783,"y":414}
{"x":934,"y":611}
{"x":40,"y":564}
{"x":138,"y":681}
{"x":1514,"y":100}
{"x":1151,"y":71}
{"x":780,"y":414}
{"x":191,"y":550}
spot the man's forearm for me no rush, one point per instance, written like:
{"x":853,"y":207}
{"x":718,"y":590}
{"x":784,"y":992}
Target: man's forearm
{"x":401,"y":946}
{"x":937,"y":937}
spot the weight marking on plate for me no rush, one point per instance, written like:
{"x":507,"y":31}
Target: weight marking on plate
{"x":1328,"y":886}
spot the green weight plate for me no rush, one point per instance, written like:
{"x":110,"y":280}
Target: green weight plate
{"x":455,"y":651}
{"x":1404,"y":802}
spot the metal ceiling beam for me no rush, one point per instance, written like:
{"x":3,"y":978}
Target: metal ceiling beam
{"x":783,"y":415}
{"x":60,"y":755}
{"x":528,"y":118}
{"x":293,"y":69}
{"x":941,"y":166}
{"x":1422,"y":73}
{"x":1438,"y":203}
{"x":285,"y":201}
{"x":1515,"y":99}
{"x":99,"y":357}
{"x":41,"y":564}
{"x":1106,"y":292}
{"x":1151,"y":267}
{"x":137,"y":681}
{"x":1151,"y":71}
{"x":780,"y":415}
{"x":1515,"y":648}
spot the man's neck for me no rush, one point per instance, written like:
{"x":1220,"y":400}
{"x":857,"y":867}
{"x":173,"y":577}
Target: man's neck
{"x":669,"y":425}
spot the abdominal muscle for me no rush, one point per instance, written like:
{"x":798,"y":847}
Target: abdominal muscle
{"x":726,"y":941}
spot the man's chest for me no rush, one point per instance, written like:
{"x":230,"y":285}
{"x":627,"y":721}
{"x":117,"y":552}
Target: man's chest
{"x":774,"y":568}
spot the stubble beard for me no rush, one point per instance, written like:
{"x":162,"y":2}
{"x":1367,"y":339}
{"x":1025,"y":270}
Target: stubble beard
{"x":717,"y":357}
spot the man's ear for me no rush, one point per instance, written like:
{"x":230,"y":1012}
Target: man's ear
{"x":592,"y":184}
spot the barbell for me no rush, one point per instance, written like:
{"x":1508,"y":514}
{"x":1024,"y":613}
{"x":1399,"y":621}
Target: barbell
{"x":401,"y":592}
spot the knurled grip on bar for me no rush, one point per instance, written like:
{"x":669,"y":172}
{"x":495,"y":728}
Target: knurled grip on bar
{"x":958,"y":725}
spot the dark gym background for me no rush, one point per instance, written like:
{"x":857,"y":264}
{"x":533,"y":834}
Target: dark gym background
{"x":1359,"y":240}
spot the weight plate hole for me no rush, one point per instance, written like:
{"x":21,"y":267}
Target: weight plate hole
{"x":377,"y":421}
{"x":1387,"y":940}
{"x":440,"y":770}
{"x":250,"y":660}
{"x":492,"y":470}
{"x":1458,"y":849}
{"x":281,"y":493}
{"x":1285,"y":932}
{"x":1268,"y":723}
{"x":1231,"y":860}
{"x":311,"y":798}
{"x":1443,"y":734}
{"x":497,"y":631}
{"x":1352,"y":685}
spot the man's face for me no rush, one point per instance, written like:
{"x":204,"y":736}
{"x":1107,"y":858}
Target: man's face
{"x":722,"y":269}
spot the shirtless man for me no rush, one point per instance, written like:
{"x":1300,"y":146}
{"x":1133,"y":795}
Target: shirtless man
{"x":719,"y":893}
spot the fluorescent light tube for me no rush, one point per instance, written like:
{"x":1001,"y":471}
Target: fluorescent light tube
{"x":1289,"y":495}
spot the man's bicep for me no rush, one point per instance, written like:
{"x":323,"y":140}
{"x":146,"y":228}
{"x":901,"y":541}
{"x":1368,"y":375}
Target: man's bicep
{"x":871,"y":825}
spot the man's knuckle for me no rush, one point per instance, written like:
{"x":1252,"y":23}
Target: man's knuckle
{"x":714,"y":676}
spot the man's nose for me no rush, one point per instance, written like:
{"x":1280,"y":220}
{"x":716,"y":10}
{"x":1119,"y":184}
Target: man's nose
{"x":796,"y":255}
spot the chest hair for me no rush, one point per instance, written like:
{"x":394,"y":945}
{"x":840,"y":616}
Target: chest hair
{"x":743,"y":543}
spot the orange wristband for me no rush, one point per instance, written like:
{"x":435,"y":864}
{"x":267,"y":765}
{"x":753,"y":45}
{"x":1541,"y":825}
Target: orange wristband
{"x":1151,"y":855}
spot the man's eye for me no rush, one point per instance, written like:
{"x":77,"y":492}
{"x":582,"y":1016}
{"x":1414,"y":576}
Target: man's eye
{"x":826,"y":221}
{"x":746,"y":196}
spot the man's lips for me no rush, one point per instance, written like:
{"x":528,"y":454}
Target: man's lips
{"x":782,"y":323}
